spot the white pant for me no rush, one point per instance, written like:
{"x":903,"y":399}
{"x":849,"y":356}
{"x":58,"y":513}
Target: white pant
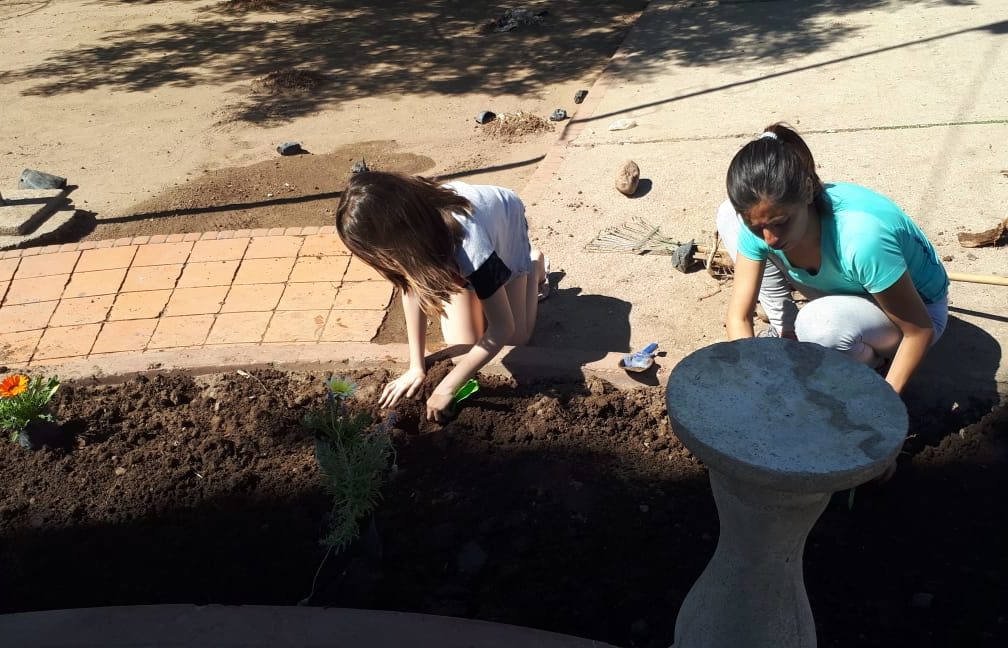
{"x":852,"y":324}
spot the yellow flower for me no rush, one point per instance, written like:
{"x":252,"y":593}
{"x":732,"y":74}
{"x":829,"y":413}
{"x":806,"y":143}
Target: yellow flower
{"x":13,"y":385}
{"x":341,"y":388}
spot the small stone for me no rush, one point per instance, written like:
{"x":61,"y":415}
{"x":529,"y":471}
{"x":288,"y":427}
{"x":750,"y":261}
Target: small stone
{"x":558,"y":115}
{"x":628,"y":178}
{"x":922,"y":600}
{"x":947,"y":258}
{"x":120,"y":471}
{"x":290,"y":148}
{"x":485,"y":117}
{"x":622,"y":124}
{"x":580,"y":95}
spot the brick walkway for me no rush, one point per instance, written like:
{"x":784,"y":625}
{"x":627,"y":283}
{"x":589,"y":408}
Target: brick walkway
{"x":259,"y":287}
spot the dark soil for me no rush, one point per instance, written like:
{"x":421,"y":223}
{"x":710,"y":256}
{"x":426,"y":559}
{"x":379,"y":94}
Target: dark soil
{"x":566,"y":507}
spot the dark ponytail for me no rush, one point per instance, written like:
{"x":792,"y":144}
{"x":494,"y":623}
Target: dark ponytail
{"x":774,"y":168}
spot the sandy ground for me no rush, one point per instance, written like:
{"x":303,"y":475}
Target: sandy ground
{"x":162,"y":114}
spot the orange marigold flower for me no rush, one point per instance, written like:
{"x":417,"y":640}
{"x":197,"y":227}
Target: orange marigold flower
{"x":13,"y":385}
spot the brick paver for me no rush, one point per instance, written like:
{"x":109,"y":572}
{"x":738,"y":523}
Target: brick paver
{"x":26,"y":317}
{"x":183,"y":291}
{"x":7,"y":268}
{"x":218,"y":250}
{"x":245,"y":328}
{"x":363,"y":295}
{"x":47,"y":264}
{"x":309,"y":296}
{"x":352,"y":325}
{"x":24,"y":291}
{"x":188,"y":330}
{"x":19,"y":347}
{"x":319,"y":268}
{"x":82,"y":310}
{"x":196,"y":301}
{"x":153,"y":277}
{"x":116,"y":257}
{"x":273,"y":246}
{"x":208,"y":273}
{"x":161,"y":253}
{"x":360,"y":271}
{"x":296,"y":326}
{"x":98,"y":282}
{"x":67,"y":341}
{"x":126,"y":335}
{"x":252,"y":297}
{"x":139,"y":305}
{"x":264,"y":271}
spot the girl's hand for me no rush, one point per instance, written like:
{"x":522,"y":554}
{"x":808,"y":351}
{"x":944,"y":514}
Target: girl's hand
{"x":405,"y":385}
{"x":439,"y":407}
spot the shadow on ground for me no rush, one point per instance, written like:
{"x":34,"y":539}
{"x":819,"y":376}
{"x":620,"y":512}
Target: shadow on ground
{"x":357,"y":50}
{"x":353,"y":50}
{"x":751,"y":32}
{"x":955,"y":385}
{"x":570,"y":319}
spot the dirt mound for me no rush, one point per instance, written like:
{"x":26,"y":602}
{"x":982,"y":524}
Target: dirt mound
{"x":287,"y":81}
{"x":566,"y":507}
{"x":512,"y":127}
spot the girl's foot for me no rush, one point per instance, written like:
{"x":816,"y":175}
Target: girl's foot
{"x":544,"y":285}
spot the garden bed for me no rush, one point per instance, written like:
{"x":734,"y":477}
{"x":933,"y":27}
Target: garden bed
{"x":564,"y":507}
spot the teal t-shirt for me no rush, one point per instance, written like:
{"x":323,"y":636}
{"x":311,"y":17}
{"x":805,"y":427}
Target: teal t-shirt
{"x":867,"y":245}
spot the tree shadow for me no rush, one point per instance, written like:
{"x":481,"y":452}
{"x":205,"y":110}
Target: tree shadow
{"x":400,"y":47}
{"x":751,"y":31}
{"x":354,"y":50}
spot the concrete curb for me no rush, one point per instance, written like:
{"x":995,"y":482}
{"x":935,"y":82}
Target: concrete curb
{"x":522,"y":364}
{"x":260,"y":625}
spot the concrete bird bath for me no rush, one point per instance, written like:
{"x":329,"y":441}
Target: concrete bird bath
{"x":781,"y":426}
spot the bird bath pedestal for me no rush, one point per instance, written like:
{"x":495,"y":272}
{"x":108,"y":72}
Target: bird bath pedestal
{"x":781,"y":426}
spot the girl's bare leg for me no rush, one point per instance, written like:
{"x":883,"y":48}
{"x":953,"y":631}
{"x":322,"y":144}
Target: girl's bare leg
{"x":523,"y":293}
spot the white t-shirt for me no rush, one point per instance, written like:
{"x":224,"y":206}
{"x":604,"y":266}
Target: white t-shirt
{"x":495,"y":242}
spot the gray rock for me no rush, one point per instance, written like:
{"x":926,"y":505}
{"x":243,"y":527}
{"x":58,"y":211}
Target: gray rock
{"x":32,"y":179}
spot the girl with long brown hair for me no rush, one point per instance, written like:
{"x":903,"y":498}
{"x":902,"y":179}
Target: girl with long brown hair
{"x":456,"y":251}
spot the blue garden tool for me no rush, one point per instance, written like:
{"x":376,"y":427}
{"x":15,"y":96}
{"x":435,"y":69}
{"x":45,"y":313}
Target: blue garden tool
{"x":640,"y":361}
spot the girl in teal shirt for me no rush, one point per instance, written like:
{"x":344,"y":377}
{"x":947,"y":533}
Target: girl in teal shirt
{"x":876,"y":286}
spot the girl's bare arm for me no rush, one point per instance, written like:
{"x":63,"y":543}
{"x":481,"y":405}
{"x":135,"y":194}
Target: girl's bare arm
{"x":901,"y":304}
{"x":745,"y":290}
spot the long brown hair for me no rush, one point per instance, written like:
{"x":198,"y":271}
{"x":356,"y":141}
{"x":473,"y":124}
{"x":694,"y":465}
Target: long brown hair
{"x":774,"y":168}
{"x":402,"y":226}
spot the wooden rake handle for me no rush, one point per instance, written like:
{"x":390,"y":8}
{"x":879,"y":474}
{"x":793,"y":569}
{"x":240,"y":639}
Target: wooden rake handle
{"x":993,"y":280}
